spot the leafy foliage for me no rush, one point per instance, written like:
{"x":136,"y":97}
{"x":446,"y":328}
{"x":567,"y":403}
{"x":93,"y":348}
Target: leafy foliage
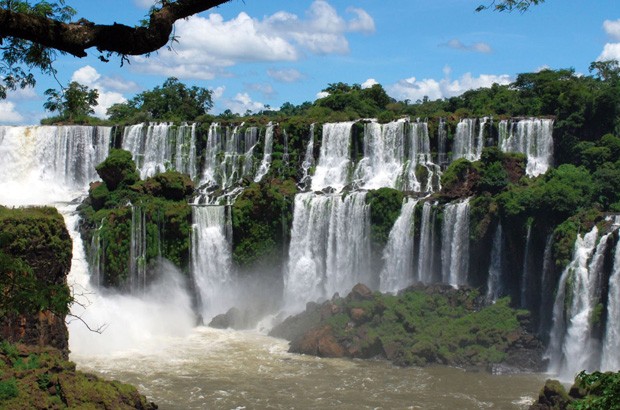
{"x":72,"y":103}
{"x":173,"y":101}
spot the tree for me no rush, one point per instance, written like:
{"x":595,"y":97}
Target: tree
{"x":33,"y":32}
{"x":75,"y":101}
{"x":173,"y":101}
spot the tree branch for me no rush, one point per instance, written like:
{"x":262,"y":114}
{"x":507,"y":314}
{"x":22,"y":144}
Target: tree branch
{"x":76,"y":38}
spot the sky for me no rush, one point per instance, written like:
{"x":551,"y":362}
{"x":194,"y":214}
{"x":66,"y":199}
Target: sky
{"x":257,"y":54}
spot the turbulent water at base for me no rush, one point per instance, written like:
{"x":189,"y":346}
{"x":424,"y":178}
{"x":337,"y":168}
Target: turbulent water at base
{"x":455,"y":243}
{"x":218,"y":369}
{"x":397,"y":270}
{"x":159,"y":147}
{"x":532,"y":137}
{"x":330,"y":246}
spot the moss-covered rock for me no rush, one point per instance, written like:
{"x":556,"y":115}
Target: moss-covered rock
{"x":419,"y":326}
{"x":119,"y":168}
{"x":40,"y":378}
{"x":35,"y":258}
{"x":592,"y":391}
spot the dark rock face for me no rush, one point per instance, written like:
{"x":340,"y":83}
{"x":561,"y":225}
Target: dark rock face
{"x":37,"y":239}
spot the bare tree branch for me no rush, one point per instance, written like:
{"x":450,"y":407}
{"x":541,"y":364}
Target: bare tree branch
{"x":75,"y":38}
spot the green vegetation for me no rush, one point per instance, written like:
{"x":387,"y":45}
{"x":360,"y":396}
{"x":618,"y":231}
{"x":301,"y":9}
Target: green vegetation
{"x":262,"y":217}
{"x":35,"y":256}
{"x":74,"y":103}
{"x":39,"y":378}
{"x":590,"y":391}
{"x":173,"y":101}
{"x":385,"y":205}
{"x":108,"y":213}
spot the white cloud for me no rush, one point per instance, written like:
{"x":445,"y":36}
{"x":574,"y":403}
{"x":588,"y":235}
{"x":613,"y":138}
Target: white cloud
{"x":457,"y":44}
{"x":285,"y":75}
{"x":207,"y":46}
{"x":369,"y":83}
{"x":8,"y":113}
{"x":266,"y":90}
{"x":90,"y":77}
{"x":242,"y":102}
{"x":611,"y":51}
{"x":321,"y":94}
{"x":217,"y":92}
{"x":414,"y":89}
{"x":144,"y":3}
{"x":612,"y":28}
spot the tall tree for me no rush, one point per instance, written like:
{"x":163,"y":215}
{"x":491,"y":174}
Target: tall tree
{"x":74,"y":102}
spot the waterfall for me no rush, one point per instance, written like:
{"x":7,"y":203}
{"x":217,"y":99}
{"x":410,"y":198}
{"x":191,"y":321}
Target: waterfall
{"x":442,"y":139}
{"x":308,"y":160}
{"x":330,"y":247}
{"x":397,"y":271}
{"x":211,"y":259}
{"x":210,"y":170}
{"x":137,"y":251}
{"x":419,"y":155}
{"x":494,"y":282}
{"x":332,"y":169}
{"x":610,"y":360}
{"x":384,"y":155}
{"x":546,"y":287}
{"x":285,"y":153}
{"x":158,"y":147}
{"x":266,"y":162}
{"x":571,"y":348}
{"x":467,"y":143}
{"x":532,"y":137}
{"x":426,"y":268}
{"x":455,"y":243}
{"x":97,"y":257}
{"x":526,"y":271}
{"x":41,"y":165}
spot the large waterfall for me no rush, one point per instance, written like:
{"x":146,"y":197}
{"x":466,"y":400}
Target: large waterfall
{"x":455,"y":243}
{"x":333,"y":167}
{"x":469,"y":139}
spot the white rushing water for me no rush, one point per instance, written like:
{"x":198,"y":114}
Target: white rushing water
{"x":469,"y":139}
{"x":308,"y":160}
{"x":266,"y":162}
{"x":610,"y":360}
{"x":333,"y":167}
{"x":211,"y":259}
{"x":455,"y":243}
{"x":532,"y":137}
{"x":397,"y":272}
{"x":330,"y":247}
{"x":426,"y":268}
{"x":494,"y":281}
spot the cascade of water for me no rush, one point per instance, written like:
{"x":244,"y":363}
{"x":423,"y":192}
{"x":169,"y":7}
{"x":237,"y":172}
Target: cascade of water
{"x":250,"y":142}
{"x":334,"y":162}
{"x":210,"y":171}
{"x":285,"y":153}
{"x":546,"y":287}
{"x":532,"y":137}
{"x":330,"y":246}
{"x":525,"y":272}
{"x":266,"y":162}
{"x":97,"y":256}
{"x":185,"y":150}
{"x":211,"y":259}
{"x":308,"y":159}
{"x":494,"y":282}
{"x":397,"y":271}
{"x":610,"y":357}
{"x":384,"y":154}
{"x":137,"y":251}
{"x":426,"y":268}
{"x":442,"y":138}
{"x":455,"y":243}
{"x":41,"y":165}
{"x":570,"y":306}
{"x":419,"y":155}
{"x":467,"y":143}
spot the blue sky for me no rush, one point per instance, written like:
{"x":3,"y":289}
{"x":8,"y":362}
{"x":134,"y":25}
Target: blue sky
{"x":256,"y":53}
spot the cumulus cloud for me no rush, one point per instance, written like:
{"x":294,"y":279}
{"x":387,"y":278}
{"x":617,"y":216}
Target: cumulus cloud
{"x":145,"y":4}
{"x":457,"y":44}
{"x":266,"y":90}
{"x":209,"y":45}
{"x":321,"y":94}
{"x":217,"y":92}
{"x":90,"y":77}
{"x":289,"y":75}
{"x":369,"y":83}
{"x":9,"y":114}
{"x":414,"y":89}
{"x":612,"y":28}
{"x":611,"y":51}
{"x":242,"y":102}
